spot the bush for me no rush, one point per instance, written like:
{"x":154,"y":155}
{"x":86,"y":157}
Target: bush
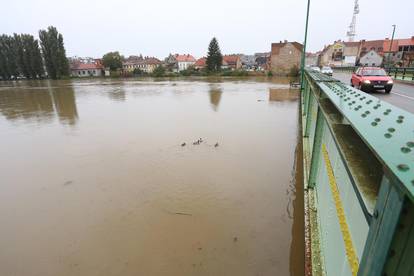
{"x":269,"y":74}
{"x":159,"y":72}
{"x":235,"y":73}
{"x":138,"y":72}
{"x":190,"y":71}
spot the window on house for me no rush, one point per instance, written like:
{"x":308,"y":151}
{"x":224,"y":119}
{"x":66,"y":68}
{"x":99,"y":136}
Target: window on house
{"x":405,"y":48}
{"x":400,"y":48}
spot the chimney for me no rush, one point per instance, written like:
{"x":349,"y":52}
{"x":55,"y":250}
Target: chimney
{"x":280,"y":41}
{"x":285,"y":41}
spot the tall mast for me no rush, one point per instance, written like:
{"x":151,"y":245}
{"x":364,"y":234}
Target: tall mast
{"x":351,"y":33}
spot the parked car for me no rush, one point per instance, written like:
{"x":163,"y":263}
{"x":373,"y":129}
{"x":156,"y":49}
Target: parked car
{"x":327,"y":70}
{"x":369,"y":79}
{"x":316,"y":68}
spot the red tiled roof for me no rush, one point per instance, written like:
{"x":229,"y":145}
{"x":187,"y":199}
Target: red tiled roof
{"x":200,"y":62}
{"x":87,"y":66}
{"x":397,"y":43}
{"x":232,"y":59}
{"x":369,"y":44}
{"x":152,"y":60}
{"x":184,"y":58}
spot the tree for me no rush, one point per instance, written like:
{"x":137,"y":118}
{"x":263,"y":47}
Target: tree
{"x":8,"y":64}
{"x":214,"y":57}
{"x":54,"y":53}
{"x":159,"y":71}
{"x":28,"y":57}
{"x":20,"y":56}
{"x":113,"y":60}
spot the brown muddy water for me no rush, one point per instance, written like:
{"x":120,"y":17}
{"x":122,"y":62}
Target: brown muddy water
{"x":95,"y":180}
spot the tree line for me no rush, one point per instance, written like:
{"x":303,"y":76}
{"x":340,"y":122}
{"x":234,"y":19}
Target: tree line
{"x":21,"y":55}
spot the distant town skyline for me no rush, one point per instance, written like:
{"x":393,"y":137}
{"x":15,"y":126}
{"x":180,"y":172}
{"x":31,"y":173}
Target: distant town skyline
{"x":157,"y":28}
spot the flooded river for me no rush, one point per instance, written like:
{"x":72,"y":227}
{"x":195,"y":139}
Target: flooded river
{"x":96,"y":179}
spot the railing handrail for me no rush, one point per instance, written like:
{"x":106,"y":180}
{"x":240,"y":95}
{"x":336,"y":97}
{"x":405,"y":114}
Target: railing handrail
{"x":386,"y":129}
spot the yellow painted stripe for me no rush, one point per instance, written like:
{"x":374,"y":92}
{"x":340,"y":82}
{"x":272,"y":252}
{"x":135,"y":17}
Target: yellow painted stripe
{"x":346,"y":235}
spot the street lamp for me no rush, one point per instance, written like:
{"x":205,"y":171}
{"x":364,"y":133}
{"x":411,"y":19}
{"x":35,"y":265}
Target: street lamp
{"x":302,"y":67}
{"x":389,"y":51}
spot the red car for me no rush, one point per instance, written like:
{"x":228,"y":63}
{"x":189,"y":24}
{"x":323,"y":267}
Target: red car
{"x":369,"y":79}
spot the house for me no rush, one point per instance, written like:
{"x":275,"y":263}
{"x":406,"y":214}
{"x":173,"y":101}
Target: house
{"x":170,"y":63}
{"x":340,"y":53}
{"x":200,"y":64}
{"x":368,"y":45}
{"x":150,"y":63}
{"x":285,"y":56}
{"x":232,"y":62}
{"x":184,"y":61}
{"x":248,"y":61}
{"x":401,"y":52}
{"x":95,"y":69}
{"x":147,"y":64}
{"x":371,"y":58}
{"x":350,"y":53}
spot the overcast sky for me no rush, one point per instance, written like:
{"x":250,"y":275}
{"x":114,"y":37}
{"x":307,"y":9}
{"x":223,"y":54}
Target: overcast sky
{"x":160,"y":27}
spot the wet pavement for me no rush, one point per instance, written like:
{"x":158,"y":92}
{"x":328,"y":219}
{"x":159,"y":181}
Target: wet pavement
{"x":106,"y":177}
{"x":402,"y":95}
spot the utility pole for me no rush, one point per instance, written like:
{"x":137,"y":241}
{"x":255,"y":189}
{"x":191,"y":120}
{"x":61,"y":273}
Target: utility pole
{"x":302,"y":66}
{"x":389,"y":51}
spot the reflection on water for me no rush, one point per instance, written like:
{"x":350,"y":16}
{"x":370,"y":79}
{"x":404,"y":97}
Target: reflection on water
{"x":215,"y":96}
{"x":38,"y":102}
{"x":283,"y":94}
{"x":120,"y":195}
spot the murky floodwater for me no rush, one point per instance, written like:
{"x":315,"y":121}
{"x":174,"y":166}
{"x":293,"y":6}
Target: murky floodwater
{"x":94,"y":180}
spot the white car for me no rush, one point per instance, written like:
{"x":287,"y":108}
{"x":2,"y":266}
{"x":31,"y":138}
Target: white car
{"x":315,"y":68}
{"x":327,"y":70}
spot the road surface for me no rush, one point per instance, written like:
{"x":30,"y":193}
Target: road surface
{"x":402,"y":95}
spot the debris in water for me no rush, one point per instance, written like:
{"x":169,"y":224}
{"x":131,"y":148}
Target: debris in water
{"x":183,"y":214}
{"x":200,"y":248}
{"x":178,"y":213}
{"x":183,"y":144}
{"x":68,"y":182}
{"x":235,"y":239}
{"x":216,"y":145}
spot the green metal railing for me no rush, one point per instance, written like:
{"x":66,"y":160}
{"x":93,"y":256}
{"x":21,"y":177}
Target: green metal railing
{"x":359,"y":181}
{"x":399,"y":73}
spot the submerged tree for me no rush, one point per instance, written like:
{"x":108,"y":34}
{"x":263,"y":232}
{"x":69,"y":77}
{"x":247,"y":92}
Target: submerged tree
{"x":112,"y":60}
{"x":28,"y":57}
{"x":8,"y":59}
{"x":54,"y":53}
{"x":214,"y":57}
